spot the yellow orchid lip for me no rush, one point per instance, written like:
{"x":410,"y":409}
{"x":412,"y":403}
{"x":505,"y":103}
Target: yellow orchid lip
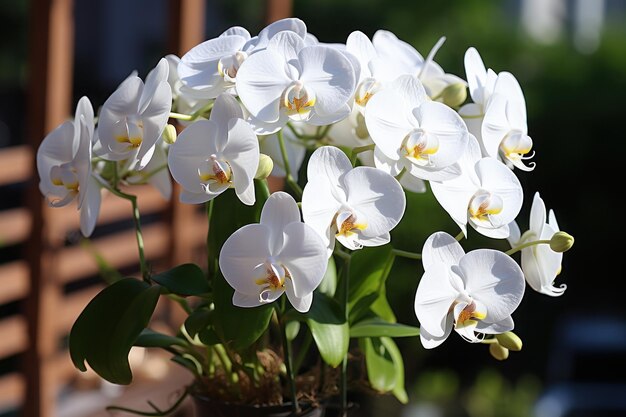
{"x":298,"y":101}
{"x":467,"y":314}
{"x":219,"y":171}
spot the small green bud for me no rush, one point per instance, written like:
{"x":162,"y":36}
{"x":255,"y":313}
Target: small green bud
{"x":510,"y":341}
{"x":169,"y":134}
{"x":454,"y":95}
{"x":265,"y":167}
{"x":499,"y":352}
{"x":561,"y":242}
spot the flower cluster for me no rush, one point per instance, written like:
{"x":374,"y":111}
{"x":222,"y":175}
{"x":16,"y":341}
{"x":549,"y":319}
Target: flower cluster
{"x":372,"y":120}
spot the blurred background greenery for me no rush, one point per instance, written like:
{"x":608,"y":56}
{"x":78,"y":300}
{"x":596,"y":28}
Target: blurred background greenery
{"x":574,"y":87}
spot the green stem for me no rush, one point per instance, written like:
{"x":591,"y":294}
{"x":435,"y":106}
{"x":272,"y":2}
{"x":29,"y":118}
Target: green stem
{"x":288,"y":359}
{"x":264,"y":187}
{"x":525,"y":245}
{"x":460,"y":236}
{"x":357,"y":150}
{"x":407,"y":254}
{"x":180,"y":116}
{"x":145,"y":273}
{"x":209,"y":242}
{"x":289,"y":178}
{"x":344,"y":363}
{"x":477,"y":116}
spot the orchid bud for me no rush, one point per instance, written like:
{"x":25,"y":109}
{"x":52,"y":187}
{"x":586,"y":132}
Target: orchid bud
{"x":498,"y":351}
{"x":510,"y":340}
{"x":454,"y":95}
{"x":561,"y":242}
{"x":265,"y":167}
{"x":169,"y":134}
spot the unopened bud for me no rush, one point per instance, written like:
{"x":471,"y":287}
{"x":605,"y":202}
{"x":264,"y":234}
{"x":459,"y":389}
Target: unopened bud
{"x":510,"y":341}
{"x":265,"y":167}
{"x":454,"y":95}
{"x":169,"y":134}
{"x":498,"y":351}
{"x":561,"y":242}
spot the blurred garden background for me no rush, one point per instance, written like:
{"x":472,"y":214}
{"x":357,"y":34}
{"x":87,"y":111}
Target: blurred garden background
{"x":570,"y":59}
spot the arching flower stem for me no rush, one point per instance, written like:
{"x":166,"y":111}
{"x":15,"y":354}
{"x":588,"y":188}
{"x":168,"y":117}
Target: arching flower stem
{"x":407,"y":254}
{"x":288,"y":356}
{"x":357,"y":150}
{"x":526,"y":245}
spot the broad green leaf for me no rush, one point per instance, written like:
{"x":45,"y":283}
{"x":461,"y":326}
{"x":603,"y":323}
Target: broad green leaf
{"x":184,"y":280}
{"x":238,"y":327}
{"x":208,"y":336}
{"x":376,"y":327}
{"x":385,"y":367}
{"x":151,"y":338}
{"x":109,"y":326}
{"x":369,"y":268}
{"x":329,"y":329}
{"x":329,"y":282}
{"x":382,"y":309}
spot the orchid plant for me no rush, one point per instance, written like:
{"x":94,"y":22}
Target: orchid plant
{"x":302,"y":271}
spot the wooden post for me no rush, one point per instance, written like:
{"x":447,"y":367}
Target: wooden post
{"x":50,"y":60}
{"x":278,"y":9}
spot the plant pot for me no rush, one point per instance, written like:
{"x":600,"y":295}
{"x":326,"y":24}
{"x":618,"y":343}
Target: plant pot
{"x":207,"y":407}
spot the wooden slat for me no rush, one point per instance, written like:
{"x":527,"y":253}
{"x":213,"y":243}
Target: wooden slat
{"x":11,"y":390}
{"x":15,"y":164}
{"x":13,"y":281}
{"x":277,"y":9}
{"x":14,"y":226}
{"x":13,"y":338}
{"x":73,"y":305}
{"x":119,"y":250}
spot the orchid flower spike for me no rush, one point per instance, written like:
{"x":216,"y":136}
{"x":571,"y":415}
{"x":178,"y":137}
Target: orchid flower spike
{"x":541,"y":265}
{"x":412,"y":133}
{"x":292,"y":81}
{"x":358,"y":206}
{"x":210,"y":156}
{"x":487,"y":194}
{"x":279,"y":255}
{"x":64,"y":166}
{"x":134,"y":116}
{"x":473,"y":293}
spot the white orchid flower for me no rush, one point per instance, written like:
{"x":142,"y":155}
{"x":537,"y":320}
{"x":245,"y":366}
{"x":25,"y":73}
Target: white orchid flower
{"x":134,"y":116}
{"x":504,"y":130}
{"x":64,"y":166}
{"x":481,"y":83}
{"x":541,"y":265}
{"x":473,"y":293}
{"x":414,"y":134}
{"x":212,"y":155}
{"x":487,"y":194}
{"x":358,"y":206}
{"x":279,"y":255}
{"x":210,"y":68}
{"x":291,"y":81}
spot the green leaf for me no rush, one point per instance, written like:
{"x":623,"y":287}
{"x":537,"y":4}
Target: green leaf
{"x":184,"y":280}
{"x":376,"y":327}
{"x":369,"y":269}
{"x":385,"y":367}
{"x":329,"y":329}
{"x":238,"y":327}
{"x":329,"y":282}
{"x":150,"y":338}
{"x":109,"y":326}
{"x":197,"y":321}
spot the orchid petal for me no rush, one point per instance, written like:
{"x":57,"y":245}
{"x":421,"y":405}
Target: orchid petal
{"x":301,"y":304}
{"x":242,"y":153}
{"x":242,"y":257}
{"x":440,"y":247}
{"x":476,"y":75}
{"x":537,"y":215}
{"x":433,"y":299}
{"x":496,"y":178}
{"x":504,"y":325}
{"x":246,"y":301}
{"x":226,"y":107}
{"x":304,"y":255}
{"x":494,"y":279}
{"x":261,"y":80}
{"x":90,"y":209}
{"x":429,"y":341}
{"x":330,"y":75}
{"x":388,"y":121}
{"x":279,"y":210}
